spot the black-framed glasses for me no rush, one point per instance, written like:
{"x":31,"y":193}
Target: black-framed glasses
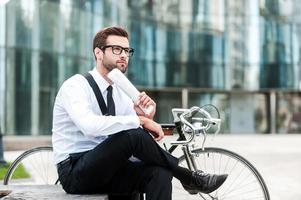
{"x":117,"y":50}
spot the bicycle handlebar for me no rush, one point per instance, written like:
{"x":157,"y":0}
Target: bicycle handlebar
{"x":186,"y":115}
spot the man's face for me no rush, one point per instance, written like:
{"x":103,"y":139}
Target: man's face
{"x":111,"y":60}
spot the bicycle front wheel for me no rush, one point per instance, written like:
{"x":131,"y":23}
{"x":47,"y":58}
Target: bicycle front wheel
{"x":243,"y":182}
{"x":33,"y":167}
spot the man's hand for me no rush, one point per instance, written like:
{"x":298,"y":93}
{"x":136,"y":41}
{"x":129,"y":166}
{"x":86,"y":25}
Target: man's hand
{"x":154,"y":128}
{"x":144,"y":101}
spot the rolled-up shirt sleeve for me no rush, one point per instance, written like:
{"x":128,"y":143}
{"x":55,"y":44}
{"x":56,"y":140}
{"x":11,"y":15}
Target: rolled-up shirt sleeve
{"x":74,"y":98}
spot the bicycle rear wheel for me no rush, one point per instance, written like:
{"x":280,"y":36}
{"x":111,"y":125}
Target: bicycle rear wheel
{"x":243,"y":182}
{"x":38,"y":166}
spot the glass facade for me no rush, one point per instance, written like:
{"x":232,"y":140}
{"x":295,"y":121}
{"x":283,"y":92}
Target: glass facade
{"x":242,"y":56}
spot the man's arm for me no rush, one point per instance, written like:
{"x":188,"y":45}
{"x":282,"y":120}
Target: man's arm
{"x":154,"y":128}
{"x":144,"y":101}
{"x":146,"y":121}
{"x":74,"y":98}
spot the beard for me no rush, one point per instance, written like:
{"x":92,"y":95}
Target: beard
{"x":110,"y":66}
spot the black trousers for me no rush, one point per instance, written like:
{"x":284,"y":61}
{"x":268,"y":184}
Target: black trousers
{"x":107,"y":169}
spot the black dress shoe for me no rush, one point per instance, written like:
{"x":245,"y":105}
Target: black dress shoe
{"x":205,"y":183}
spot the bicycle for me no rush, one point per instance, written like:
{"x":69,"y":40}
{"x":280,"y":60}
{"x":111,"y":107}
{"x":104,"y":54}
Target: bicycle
{"x":243,"y":182}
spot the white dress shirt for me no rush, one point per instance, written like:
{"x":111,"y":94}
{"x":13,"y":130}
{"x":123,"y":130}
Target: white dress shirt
{"x":78,"y":124}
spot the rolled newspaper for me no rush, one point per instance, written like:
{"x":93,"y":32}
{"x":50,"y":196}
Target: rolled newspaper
{"x":121,"y":81}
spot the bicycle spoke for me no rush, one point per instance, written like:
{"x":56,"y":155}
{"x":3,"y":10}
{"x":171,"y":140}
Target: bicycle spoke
{"x":242,"y":182}
{"x":235,"y":178}
{"x":213,"y":163}
{"x":39,"y":165}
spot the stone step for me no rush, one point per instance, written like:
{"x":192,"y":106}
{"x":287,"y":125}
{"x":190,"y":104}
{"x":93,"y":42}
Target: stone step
{"x":45,"y":192}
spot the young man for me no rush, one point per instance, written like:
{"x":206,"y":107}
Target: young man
{"x":92,"y":149}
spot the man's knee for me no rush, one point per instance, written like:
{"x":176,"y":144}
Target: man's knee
{"x":137,"y":132}
{"x":128,"y":135}
{"x":138,"y":135}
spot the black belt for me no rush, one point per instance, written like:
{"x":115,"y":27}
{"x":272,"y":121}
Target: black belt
{"x":60,"y":164}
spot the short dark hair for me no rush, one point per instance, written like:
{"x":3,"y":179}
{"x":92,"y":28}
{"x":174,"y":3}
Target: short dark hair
{"x":101,"y":36}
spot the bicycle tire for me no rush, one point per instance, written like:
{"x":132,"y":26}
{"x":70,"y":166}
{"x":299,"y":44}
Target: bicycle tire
{"x":243,"y":182}
{"x":38,"y":162}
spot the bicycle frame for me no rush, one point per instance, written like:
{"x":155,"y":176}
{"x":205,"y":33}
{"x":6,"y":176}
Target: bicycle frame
{"x":180,"y":116}
{"x":189,"y":157}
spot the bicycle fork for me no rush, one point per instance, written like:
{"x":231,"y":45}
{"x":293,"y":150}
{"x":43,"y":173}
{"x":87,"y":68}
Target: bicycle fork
{"x":190,"y":160}
{"x":189,"y":157}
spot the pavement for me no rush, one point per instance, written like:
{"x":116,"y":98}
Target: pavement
{"x":276,"y":156}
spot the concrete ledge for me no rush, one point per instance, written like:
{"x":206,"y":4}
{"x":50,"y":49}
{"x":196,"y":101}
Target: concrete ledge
{"x":45,"y":192}
{"x":21,"y":143}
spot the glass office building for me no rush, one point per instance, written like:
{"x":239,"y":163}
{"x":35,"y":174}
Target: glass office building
{"x":242,"y":56}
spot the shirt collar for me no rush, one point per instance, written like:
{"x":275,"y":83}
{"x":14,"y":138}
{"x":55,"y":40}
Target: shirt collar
{"x":101,"y":82}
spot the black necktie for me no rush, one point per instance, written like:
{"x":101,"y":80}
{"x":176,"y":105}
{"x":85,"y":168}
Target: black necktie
{"x":110,"y":101}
